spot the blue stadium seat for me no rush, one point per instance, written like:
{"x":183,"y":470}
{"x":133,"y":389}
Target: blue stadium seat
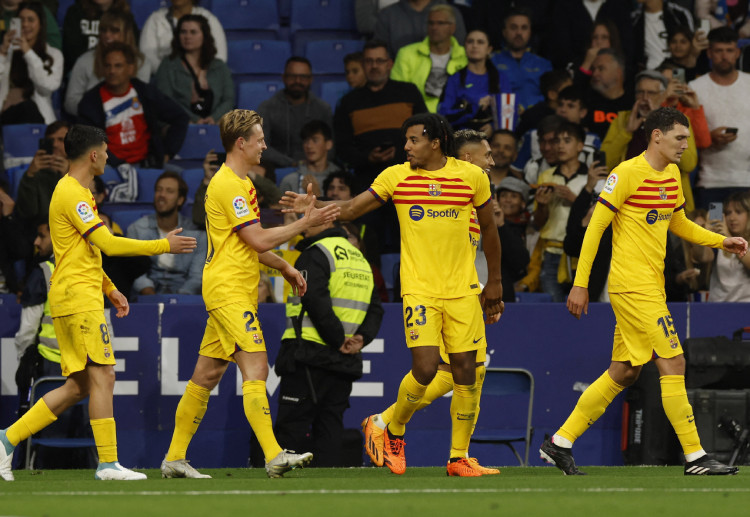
{"x":62,"y":8}
{"x":258,"y":57}
{"x":170,"y":299}
{"x":193,"y":178}
{"x":8,"y":299}
{"x":15,"y":174}
{"x":142,"y":9}
{"x":283,"y":171}
{"x":22,"y":140}
{"x":111,"y":176}
{"x":259,"y":18}
{"x":251,"y":93}
{"x":323,"y":15}
{"x":57,"y":435}
{"x":389,"y":266}
{"x":327,"y":56}
{"x":146,"y":183}
{"x":522,"y":297}
{"x":332,"y":91}
{"x":285,"y":9}
{"x":200,"y":139}
{"x":313,"y":20}
{"x":126,"y":217}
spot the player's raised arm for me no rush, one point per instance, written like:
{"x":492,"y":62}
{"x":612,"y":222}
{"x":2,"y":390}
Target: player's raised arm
{"x":123,"y":247}
{"x":349,"y":209}
{"x":264,"y":239}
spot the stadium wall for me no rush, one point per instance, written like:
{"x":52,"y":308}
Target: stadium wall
{"x":156,"y":347}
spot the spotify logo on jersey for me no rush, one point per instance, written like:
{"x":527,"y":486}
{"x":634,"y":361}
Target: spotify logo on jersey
{"x":416,"y":212}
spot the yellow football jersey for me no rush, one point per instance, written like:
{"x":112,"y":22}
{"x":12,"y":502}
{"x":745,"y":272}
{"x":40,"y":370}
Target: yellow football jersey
{"x":76,"y":283}
{"x":231,"y":272}
{"x":434,"y":212}
{"x":475,"y":232}
{"x":643,"y":200}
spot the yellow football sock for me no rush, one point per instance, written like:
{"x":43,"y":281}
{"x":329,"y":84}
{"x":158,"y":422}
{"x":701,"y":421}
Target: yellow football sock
{"x":105,"y":436}
{"x":679,"y":412}
{"x":33,"y":421}
{"x":590,"y":406}
{"x":258,"y":413}
{"x":463,"y":412}
{"x":481,"y":371}
{"x":187,"y":418}
{"x":387,"y":415}
{"x":410,"y":394}
{"x":440,"y":385}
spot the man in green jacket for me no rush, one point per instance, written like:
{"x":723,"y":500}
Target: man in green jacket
{"x":429,"y":62}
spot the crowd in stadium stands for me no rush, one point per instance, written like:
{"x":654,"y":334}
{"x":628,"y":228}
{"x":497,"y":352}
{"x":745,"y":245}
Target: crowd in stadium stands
{"x":561,"y":89}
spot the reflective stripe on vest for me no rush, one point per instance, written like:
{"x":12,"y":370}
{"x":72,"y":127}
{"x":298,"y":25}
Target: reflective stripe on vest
{"x":48,"y":346}
{"x":350,"y":285}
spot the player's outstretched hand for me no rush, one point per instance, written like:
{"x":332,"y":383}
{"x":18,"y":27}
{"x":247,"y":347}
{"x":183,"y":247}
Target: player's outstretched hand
{"x":120,"y":303}
{"x":736,"y":245}
{"x":318,"y":216}
{"x":578,"y":301}
{"x":179,"y":244}
{"x":296,"y":203}
{"x":296,"y":280}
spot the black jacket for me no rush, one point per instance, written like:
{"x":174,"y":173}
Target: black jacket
{"x":515,"y":256}
{"x":574,"y":234}
{"x":317,"y":305}
{"x":158,"y":109}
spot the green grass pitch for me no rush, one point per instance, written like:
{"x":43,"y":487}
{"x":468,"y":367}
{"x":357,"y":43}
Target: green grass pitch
{"x":606,"y":491}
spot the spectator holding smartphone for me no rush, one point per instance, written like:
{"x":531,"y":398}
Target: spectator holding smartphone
{"x":626,"y":137}
{"x":685,"y":48}
{"x":730,"y":274}
{"x":50,"y":163}
{"x":680,"y":96}
{"x":723,"y":93}
{"x":30,"y":69}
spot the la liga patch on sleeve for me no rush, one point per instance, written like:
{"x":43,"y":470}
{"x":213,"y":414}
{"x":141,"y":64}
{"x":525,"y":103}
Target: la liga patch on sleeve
{"x":241,"y":209}
{"x":611,"y":182}
{"x":85,"y":212}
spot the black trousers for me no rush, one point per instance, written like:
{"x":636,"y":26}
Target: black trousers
{"x":312,"y":402}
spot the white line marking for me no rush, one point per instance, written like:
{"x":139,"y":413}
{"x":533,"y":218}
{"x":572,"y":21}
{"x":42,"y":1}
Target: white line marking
{"x":384,"y":491}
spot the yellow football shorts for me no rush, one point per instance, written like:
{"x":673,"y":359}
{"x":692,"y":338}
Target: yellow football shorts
{"x":457,"y":323}
{"x":83,"y":339}
{"x":644,"y":326}
{"x":231,"y":328}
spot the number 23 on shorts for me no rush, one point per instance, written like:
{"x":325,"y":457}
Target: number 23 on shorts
{"x":419,"y":313}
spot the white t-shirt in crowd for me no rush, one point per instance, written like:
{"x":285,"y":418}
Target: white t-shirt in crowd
{"x":655,"y":39}
{"x":729,"y":106}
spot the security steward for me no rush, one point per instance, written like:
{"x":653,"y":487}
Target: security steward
{"x":320,"y":354}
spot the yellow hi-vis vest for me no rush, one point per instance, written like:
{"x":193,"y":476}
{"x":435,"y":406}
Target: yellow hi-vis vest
{"x":48,"y":347}
{"x":350,"y":285}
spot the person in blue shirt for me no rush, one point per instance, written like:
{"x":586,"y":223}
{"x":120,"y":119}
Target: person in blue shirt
{"x":470,"y":93}
{"x":522,"y":67}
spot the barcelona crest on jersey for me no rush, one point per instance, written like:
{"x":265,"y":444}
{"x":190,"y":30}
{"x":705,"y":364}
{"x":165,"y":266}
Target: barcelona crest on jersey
{"x":435,"y":189}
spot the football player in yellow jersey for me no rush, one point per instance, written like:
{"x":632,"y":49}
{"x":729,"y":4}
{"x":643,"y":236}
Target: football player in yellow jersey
{"x":434,"y":195}
{"x":236,"y":245}
{"x":76,"y":303}
{"x":471,"y":146}
{"x":642,"y":198}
